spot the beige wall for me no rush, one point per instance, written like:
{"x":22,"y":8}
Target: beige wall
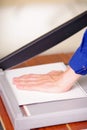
{"x":24,"y":2}
{"x":22,"y":21}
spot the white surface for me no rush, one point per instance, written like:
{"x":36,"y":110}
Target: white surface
{"x":29,"y":97}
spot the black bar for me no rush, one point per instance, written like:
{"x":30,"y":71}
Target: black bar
{"x":45,"y":42}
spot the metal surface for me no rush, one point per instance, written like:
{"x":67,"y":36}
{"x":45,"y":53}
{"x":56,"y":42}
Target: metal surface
{"x":43,"y":114}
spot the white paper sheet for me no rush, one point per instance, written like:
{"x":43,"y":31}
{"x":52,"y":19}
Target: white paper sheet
{"x":29,"y":97}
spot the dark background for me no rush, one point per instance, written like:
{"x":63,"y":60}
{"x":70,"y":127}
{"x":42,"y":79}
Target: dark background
{"x":1,"y":128}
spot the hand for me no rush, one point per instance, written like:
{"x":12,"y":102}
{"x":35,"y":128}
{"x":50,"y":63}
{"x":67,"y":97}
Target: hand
{"x":53,"y":82}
